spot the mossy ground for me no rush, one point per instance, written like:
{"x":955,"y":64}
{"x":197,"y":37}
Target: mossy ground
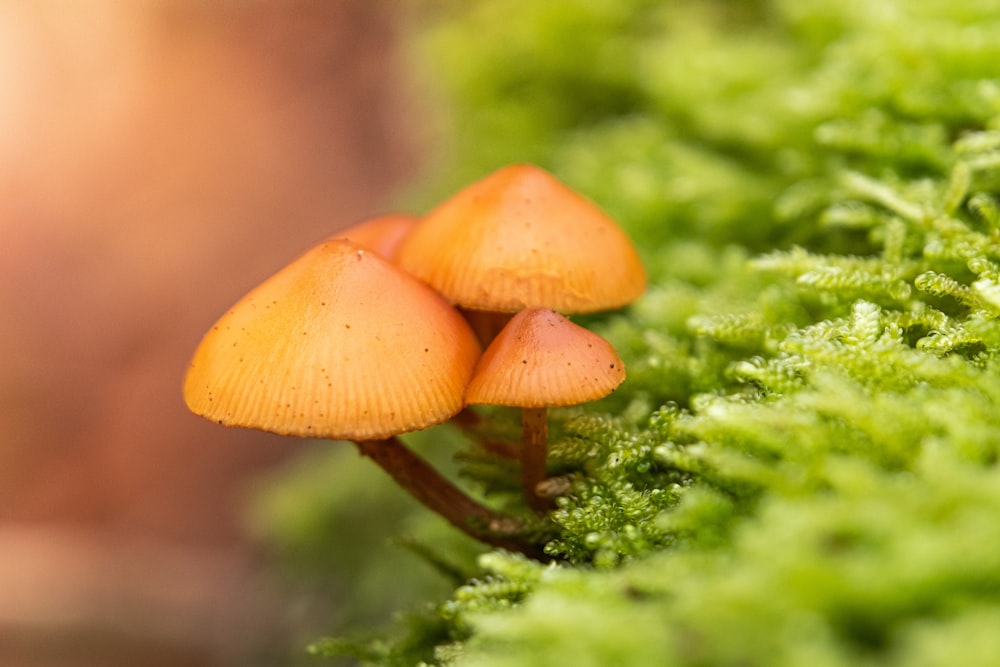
{"x":802,"y":465}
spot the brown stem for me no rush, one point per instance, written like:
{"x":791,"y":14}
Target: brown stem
{"x":439,"y":495}
{"x":486,"y":324}
{"x":466,"y":418}
{"x":534,"y":450}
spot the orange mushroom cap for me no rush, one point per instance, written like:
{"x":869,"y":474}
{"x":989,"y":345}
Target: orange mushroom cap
{"x":338,"y":344}
{"x":519,"y":238}
{"x":541,"y":359}
{"x":381,"y":235}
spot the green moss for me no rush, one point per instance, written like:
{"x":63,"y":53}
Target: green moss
{"x":802,"y":465}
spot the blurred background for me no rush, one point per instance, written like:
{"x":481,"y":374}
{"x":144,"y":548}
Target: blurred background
{"x":158,"y":158}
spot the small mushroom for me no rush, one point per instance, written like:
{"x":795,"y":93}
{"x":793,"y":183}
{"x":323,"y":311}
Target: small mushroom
{"x":382,"y":235}
{"x":341,"y":344}
{"x":540,"y":360}
{"x":519,"y":238}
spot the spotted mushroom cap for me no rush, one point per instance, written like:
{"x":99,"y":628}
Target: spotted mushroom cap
{"x":338,"y":344}
{"x":519,"y":238}
{"x":541,"y":359}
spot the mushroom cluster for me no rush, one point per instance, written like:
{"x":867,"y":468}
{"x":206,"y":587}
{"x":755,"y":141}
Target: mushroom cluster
{"x":520,"y":241}
{"x":360,"y":339}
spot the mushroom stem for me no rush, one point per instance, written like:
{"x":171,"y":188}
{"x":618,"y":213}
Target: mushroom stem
{"x":485,"y":323}
{"x":534,"y":446}
{"x":439,"y":495}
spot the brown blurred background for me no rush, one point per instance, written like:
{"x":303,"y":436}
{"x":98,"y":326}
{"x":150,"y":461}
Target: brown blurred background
{"x":158,"y":158}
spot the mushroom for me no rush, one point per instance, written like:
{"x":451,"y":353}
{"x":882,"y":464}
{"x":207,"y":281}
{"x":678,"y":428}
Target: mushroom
{"x":519,"y":238}
{"x":341,"y":344}
{"x":382,"y":235}
{"x":540,"y":360}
